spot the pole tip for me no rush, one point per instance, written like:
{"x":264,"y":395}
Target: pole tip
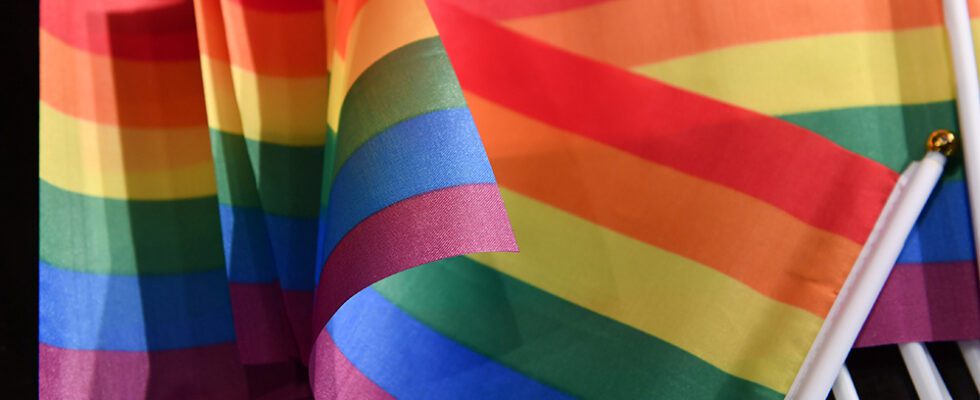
{"x":943,"y":141}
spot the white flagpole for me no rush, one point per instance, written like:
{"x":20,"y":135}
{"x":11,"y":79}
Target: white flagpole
{"x":971,"y":354}
{"x":826,"y":357}
{"x":844,"y":386}
{"x":957,"y":15}
{"x":925,"y":376}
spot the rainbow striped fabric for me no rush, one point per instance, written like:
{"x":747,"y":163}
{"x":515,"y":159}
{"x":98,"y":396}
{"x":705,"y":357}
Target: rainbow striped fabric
{"x":690,"y":185}
{"x":689,"y":194}
{"x":185,"y":195}
{"x":133,"y":299}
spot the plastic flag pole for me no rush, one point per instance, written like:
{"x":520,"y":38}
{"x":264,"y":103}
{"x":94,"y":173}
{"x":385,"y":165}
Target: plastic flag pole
{"x":846,"y":318}
{"x":971,"y":354}
{"x":844,"y":386}
{"x":925,"y":376}
{"x":957,"y":16}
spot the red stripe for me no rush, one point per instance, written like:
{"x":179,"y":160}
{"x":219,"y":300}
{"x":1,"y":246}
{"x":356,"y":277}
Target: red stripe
{"x":794,"y":169}
{"x":925,"y":303}
{"x":262,"y":329}
{"x":334,"y":377}
{"x":211,"y":372}
{"x":497,"y":9}
{"x":139,"y":30}
{"x":439,"y":224}
{"x":281,"y":5}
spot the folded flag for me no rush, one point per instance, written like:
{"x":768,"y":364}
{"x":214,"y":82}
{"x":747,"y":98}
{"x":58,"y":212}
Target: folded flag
{"x":689,"y":185}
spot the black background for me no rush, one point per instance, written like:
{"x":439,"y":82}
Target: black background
{"x":18,"y":191}
{"x":878,"y":372}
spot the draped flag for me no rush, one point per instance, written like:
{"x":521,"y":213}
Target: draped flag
{"x":231,"y":189}
{"x":138,"y":199}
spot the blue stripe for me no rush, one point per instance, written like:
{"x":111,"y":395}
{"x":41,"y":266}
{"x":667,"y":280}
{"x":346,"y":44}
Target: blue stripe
{"x":943,"y":232}
{"x":409,"y":360}
{"x":321,"y":251}
{"x":248,"y":257}
{"x":432,"y":151}
{"x":263,"y":248}
{"x":85,"y":311}
{"x":294,"y":249}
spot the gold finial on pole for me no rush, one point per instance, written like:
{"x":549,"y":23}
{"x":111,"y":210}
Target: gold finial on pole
{"x":943,"y":141}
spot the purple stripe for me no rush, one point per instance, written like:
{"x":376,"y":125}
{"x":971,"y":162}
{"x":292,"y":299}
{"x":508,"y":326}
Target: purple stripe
{"x":299,"y":308}
{"x":334,"y":377}
{"x":924,"y":303}
{"x":439,"y":224}
{"x":262,"y":329}
{"x":202,"y":372}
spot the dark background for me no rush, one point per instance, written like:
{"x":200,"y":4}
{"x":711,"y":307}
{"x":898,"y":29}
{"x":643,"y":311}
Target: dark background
{"x":18,"y":191}
{"x":879,"y":373}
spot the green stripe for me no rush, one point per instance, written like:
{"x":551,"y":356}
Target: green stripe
{"x":554,"y":341}
{"x":414,"y":79}
{"x":282,"y":180}
{"x":233,"y":170}
{"x":329,"y":153}
{"x":890,"y":135}
{"x":126,"y":237}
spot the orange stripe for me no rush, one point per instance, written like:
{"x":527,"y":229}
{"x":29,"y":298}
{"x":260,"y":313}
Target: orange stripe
{"x":330,"y":22}
{"x":758,"y":244}
{"x":346,"y":13}
{"x":624,"y":32}
{"x":381,"y":27}
{"x":211,"y":29}
{"x":276,"y":43}
{"x":122,"y":92}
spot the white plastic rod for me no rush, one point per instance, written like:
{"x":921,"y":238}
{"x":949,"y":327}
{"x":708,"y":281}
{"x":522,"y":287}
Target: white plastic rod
{"x":967,"y":96}
{"x":971,"y":354}
{"x":844,"y":386}
{"x":957,"y":15}
{"x":922,"y":369}
{"x":857,"y":297}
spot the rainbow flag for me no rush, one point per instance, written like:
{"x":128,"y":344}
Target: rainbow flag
{"x":227,"y":185}
{"x":133,"y":299}
{"x":690,"y":186}
{"x":186,"y":195}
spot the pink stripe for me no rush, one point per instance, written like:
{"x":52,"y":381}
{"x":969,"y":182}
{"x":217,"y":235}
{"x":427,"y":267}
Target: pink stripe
{"x":262,"y":328}
{"x":924,"y":303}
{"x":334,"y":377}
{"x":201,"y":372}
{"x":425,"y":228}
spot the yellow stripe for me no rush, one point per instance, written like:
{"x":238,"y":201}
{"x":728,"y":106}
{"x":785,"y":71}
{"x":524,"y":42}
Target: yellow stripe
{"x":106,"y":161}
{"x":282,"y":110}
{"x":694,"y":307}
{"x":817,"y":73}
{"x":380,"y":27}
{"x":219,"y":96}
